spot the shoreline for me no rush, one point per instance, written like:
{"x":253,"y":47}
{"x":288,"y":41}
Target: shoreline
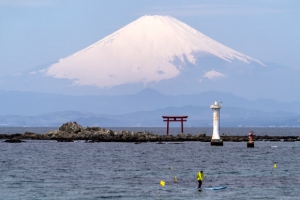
{"x":69,"y":132}
{"x":138,"y":137}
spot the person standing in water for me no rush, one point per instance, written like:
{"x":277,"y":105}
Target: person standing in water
{"x":200,"y":177}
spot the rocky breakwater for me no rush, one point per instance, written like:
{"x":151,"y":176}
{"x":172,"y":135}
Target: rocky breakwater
{"x":69,"y":132}
{"x":72,"y":131}
{"x":17,"y":137}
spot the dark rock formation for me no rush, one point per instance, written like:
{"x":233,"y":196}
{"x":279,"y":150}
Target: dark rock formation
{"x":65,"y":140}
{"x":71,"y":127}
{"x":4,"y":136}
{"x":14,"y":140}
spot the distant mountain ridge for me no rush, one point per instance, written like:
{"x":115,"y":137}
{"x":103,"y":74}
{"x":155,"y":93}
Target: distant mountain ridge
{"x":147,"y":99}
{"x":25,"y":103}
{"x":197,"y":117}
{"x":142,"y":109}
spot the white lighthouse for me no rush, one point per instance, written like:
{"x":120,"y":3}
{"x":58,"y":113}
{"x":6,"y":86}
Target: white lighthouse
{"x":215,"y":139}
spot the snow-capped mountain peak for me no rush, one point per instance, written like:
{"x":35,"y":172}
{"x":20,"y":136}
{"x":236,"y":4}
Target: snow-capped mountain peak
{"x":142,"y":51}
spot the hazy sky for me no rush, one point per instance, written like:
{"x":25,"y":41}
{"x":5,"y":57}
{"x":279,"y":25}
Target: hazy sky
{"x":37,"y":32}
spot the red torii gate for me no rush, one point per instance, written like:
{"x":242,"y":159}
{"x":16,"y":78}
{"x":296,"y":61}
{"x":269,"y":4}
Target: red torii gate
{"x":174,"y":119}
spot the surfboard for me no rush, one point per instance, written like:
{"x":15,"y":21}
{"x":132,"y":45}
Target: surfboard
{"x":215,"y":188}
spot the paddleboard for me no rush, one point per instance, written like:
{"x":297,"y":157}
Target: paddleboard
{"x":210,"y":188}
{"x":215,"y":188}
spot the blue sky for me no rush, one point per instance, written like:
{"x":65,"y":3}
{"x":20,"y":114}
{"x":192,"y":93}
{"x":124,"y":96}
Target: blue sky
{"x":37,"y":32}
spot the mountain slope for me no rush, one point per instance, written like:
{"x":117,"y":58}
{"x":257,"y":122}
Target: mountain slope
{"x":150,"y":49}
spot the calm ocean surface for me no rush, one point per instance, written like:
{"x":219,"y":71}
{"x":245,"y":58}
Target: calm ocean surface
{"x":79,"y":170}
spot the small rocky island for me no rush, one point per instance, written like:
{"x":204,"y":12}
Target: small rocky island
{"x":69,"y":132}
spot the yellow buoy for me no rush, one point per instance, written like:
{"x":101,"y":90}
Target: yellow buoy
{"x":162,"y":183}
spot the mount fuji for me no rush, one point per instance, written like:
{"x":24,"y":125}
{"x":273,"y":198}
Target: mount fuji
{"x":150,"y":49}
{"x":157,"y":52}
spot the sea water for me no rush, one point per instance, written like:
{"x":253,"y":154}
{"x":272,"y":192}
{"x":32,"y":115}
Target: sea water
{"x":78,"y":170}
